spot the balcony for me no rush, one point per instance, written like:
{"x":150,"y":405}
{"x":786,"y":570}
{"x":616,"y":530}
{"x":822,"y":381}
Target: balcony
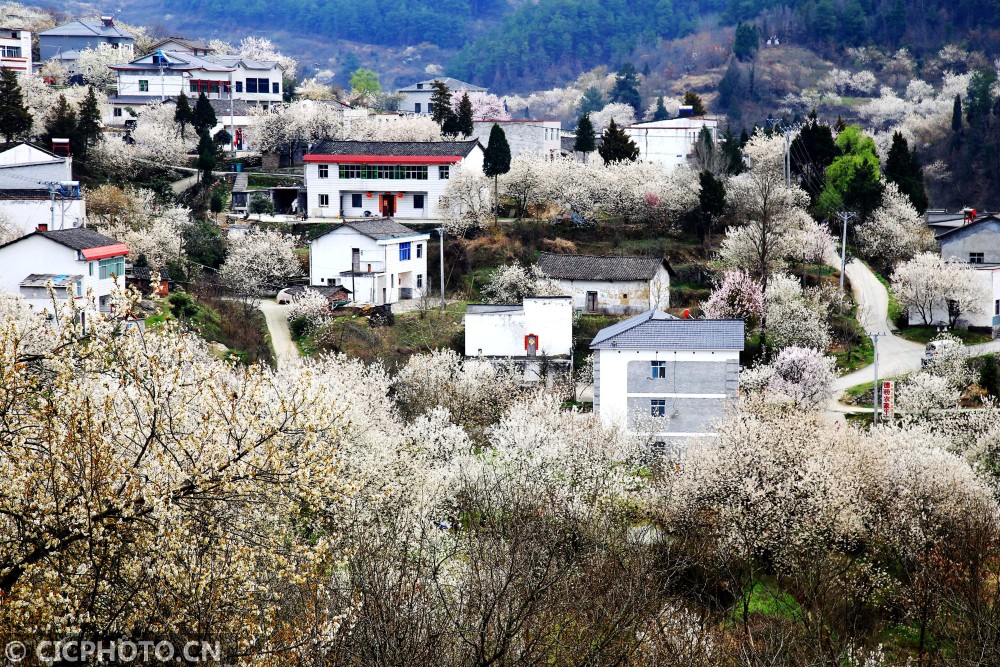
{"x":364,"y":267}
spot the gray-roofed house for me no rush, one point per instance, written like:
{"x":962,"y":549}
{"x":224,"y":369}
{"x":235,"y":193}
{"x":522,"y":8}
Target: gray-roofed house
{"x":379,"y":260}
{"x":84,"y":34}
{"x":671,"y":377}
{"x":417,"y":96}
{"x":610,"y":283}
{"x":392,"y":179}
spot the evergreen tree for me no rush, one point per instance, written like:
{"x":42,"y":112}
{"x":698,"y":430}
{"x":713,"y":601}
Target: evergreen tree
{"x":616,"y":146}
{"x":440,"y":103}
{"x":744,"y":138}
{"x":692,"y":100}
{"x":203,"y":118}
{"x":733,"y":152}
{"x":591,"y":102}
{"x":903,"y":168}
{"x":207,"y":157}
{"x":496,"y":158}
{"x":586,"y":141}
{"x":183,"y":115}
{"x":464,"y":119}
{"x":661,"y":112}
{"x":746,"y":42}
{"x":88,"y":127}
{"x":864,"y":191}
{"x":852,"y":22}
{"x":15,"y":119}
{"x":626,"y":89}
{"x":894,"y":23}
{"x":62,"y":123}
{"x":712,"y":200}
{"x":979,"y":100}
{"x":812,"y":151}
{"x":731,"y":90}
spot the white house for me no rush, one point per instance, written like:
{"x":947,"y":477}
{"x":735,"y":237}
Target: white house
{"x":80,"y":259}
{"x":15,"y":50}
{"x":380,"y":261}
{"x":609,"y":283}
{"x":536,"y":137}
{"x":417,"y":96}
{"x":392,"y":179}
{"x":164,"y":74}
{"x":671,"y":375}
{"x":671,"y":142}
{"x":36,"y":189}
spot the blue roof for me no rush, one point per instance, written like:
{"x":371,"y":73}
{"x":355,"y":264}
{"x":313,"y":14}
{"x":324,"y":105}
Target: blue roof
{"x":656,"y":330}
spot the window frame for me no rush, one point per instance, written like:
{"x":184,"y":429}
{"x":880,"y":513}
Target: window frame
{"x":657,"y":407}
{"x":405,"y":251}
{"x":143,"y":85}
{"x":419,"y":201}
{"x":324,"y":200}
{"x":323,"y":171}
{"x":444,"y":172}
{"x":657,"y":370}
{"x":420,"y":281}
{"x":111,"y":267}
{"x":977,"y":258}
{"x":357,"y":201}
{"x":420,"y":250}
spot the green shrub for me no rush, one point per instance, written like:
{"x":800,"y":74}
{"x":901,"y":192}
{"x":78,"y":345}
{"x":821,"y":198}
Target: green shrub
{"x":300,"y":326}
{"x":182,"y":305}
{"x":216,"y":203}
{"x":989,"y":378}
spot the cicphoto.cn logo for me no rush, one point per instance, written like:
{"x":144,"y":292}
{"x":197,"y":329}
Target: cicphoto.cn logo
{"x":122,"y":651}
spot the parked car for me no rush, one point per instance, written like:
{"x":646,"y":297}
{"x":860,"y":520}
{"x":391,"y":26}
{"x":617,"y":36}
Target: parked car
{"x":935,"y":350}
{"x":570,"y":218}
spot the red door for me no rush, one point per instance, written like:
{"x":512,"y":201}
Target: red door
{"x":387,"y":203}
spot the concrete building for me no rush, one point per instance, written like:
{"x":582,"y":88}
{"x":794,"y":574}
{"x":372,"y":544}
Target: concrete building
{"x":195,"y":47}
{"x":79,"y":259}
{"x":671,"y":142}
{"x":15,"y":50}
{"x":672,"y":377}
{"x":535,"y":137}
{"x":380,"y":261}
{"x":610,"y":284}
{"x":392,"y":179}
{"x":417,"y":96}
{"x":76,"y":36}
{"x":36,"y":188}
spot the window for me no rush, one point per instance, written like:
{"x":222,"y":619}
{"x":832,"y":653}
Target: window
{"x":392,"y":280}
{"x":117,"y":112}
{"x":324,"y":201}
{"x":420,"y":86}
{"x":384,"y":171}
{"x":143,"y":85}
{"x":420,"y":250}
{"x":276,"y":88}
{"x":996,"y":307}
{"x":430,"y":107}
{"x":404,"y":252}
{"x":10,"y":51}
{"x":624,"y":297}
{"x":420,"y":279}
{"x":239,"y":86}
{"x":416,"y":107}
{"x":657,"y":369}
{"x":658,"y":407}
{"x":324,"y":171}
{"x":193,"y":86}
{"x":356,"y":200}
{"x":418,"y":201}
{"x":444,"y":173}
{"x":258,"y":85}
{"x":91,"y":266}
{"x":976,"y":258}
{"x":109,"y":267}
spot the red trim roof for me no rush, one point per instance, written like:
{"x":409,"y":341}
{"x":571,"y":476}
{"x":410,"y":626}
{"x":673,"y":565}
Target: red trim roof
{"x":385,"y":159}
{"x":104,"y":251}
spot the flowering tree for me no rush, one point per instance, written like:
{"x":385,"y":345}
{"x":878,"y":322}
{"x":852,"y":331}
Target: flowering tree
{"x":927,"y":284}
{"x":803,"y":375}
{"x":511,"y":283}
{"x":290,"y":128}
{"x":259,"y":261}
{"x":311,"y":89}
{"x":261,"y":48}
{"x":923,"y":393}
{"x":467,"y":202}
{"x":93,"y":64}
{"x":525,"y":182}
{"x":736,"y":296}
{"x":8,"y":230}
{"x":895,"y":232}
{"x":311,"y":306}
{"x":622,"y":114}
{"x":794,"y":320}
{"x":156,"y":141}
{"x":394,"y":128}
{"x":485,"y":106}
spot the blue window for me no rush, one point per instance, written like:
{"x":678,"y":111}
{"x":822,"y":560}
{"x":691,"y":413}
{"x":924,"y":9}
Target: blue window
{"x":658,"y":407}
{"x":356,"y":201}
{"x":114,"y":266}
{"x":657,"y":369}
{"x":404,"y":252}
{"x":418,"y":201}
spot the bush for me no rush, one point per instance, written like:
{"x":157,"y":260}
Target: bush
{"x":989,"y":378}
{"x":181,"y":305}
{"x":300,"y":326}
{"x":215,"y":205}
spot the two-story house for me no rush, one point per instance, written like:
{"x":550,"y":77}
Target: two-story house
{"x":380,"y":261}
{"x":79,"y":259}
{"x":15,"y":50}
{"x":36,"y":188}
{"x":977,"y":242}
{"x":675,"y":377}
{"x":392,"y":179}
{"x":534,"y":137}
{"x":416,"y":98}
{"x":610,"y":283}
{"x":65,"y":42}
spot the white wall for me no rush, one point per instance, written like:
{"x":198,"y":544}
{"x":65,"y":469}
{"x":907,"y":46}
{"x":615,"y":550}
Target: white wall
{"x":21,"y":65}
{"x":989,"y":278}
{"x":501,"y":334}
{"x":27,"y":214}
{"x":669,"y":142}
{"x":173,"y":82}
{"x":538,"y":137}
{"x":621,"y":296}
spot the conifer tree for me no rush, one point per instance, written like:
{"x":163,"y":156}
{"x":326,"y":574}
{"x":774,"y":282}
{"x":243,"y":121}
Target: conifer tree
{"x":203,"y":118}
{"x":183,"y":115}
{"x":440,"y":103}
{"x":746,"y":42}
{"x":693,"y":100}
{"x":903,"y":168}
{"x":496,"y":158}
{"x":626,"y":90}
{"x":586,"y":141}
{"x":62,"y":123}
{"x":207,"y":157}
{"x":464,"y":120}
{"x":616,"y":146}
{"x":88,"y":127}
{"x":956,"y":114}
{"x":661,"y":112}
{"x":15,"y":119}
{"x":591,"y":102}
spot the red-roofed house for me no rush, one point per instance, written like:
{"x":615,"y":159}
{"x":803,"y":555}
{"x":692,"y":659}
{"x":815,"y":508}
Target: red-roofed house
{"x":389,"y":179}
{"x":80,"y":259}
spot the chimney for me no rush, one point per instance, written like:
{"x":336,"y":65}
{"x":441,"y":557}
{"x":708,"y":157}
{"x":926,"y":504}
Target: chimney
{"x":108,"y":21}
{"x":42,"y":227}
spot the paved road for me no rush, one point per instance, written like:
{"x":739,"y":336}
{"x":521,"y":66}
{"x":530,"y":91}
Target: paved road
{"x":285,"y":350}
{"x":184,"y":184}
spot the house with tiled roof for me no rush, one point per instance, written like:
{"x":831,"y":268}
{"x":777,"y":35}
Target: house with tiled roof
{"x":610,"y":283}
{"x":416,"y":98}
{"x":75,"y":261}
{"x":84,"y":34}
{"x":391,"y":179}
{"x":196,"y":47}
{"x":379,"y":260}
{"x":669,"y":377}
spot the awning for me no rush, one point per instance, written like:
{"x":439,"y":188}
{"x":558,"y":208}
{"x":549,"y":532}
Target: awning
{"x":104,"y":251}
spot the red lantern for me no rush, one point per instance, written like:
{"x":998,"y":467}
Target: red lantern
{"x":400,"y":195}
{"x":369,"y":195}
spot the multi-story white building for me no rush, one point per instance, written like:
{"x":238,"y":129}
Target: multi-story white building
{"x":536,"y":137}
{"x":674,"y":377}
{"x":380,"y":261}
{"x":671,"y":142}
{"x":417,"y":96}
{"x":36,"y":188}
{"x":79,"y":259}
{"x":392,"y":179}
{"x":15,"y":50}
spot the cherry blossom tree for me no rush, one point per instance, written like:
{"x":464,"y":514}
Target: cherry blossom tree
{"x":803,"y":375}
{"x":525,"y":183}
{"x":793,"y":319}
{"x":8,"y":230}
{"x":467,"y":202}
{"x":289,"y":128}
{"x":311,"y":89}
{"x":511,"y":283}
{"x":933,"y":288}
{"x":895,"y":232}
{"x":736,"y":296}
{"x":261,"y":48}
{"x":311,"y":306}
{"x":485,"y":106}
{"x":93,"y":64}
{"x":622,"y":114}
{"x":258,"y":262}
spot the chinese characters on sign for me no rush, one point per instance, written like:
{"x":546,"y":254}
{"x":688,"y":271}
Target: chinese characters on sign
{"x":888,"y":403}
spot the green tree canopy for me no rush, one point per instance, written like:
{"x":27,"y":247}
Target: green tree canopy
{"x":853,"y":178}
{"x":464,"y":119}
{"x":902,"y":167}
{"x":746,"y":42}
{"x":496,"y":158}
{"x":365,"y":81}
{"x":586,"y":140}
{"x":203,"y":118}
{"x":15,"y":119}
{"x":591,"y":102}
{"x":616,"y":146}
{"x":183,"y":115}
{"x":88,"y":127}
{"x":812,"y":151}
{"x":693,"y":100}
{"x":62,"y":123}
{"x":441,"y":110}
{"x":660,"y":113}
{"x":626,"y":88}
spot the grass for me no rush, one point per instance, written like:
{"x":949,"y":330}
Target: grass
{"x":922,"y":334}
{"x":860,"y":395}
{"x":221,"y":322}
{"x":896,"y":311}
{"x":768,"y":600}
{"x":855,"y":357}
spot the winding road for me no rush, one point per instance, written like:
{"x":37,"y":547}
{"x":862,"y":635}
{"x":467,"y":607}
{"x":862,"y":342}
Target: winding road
{"x":276,"y":316}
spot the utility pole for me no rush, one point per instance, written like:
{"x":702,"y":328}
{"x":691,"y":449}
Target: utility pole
{"x":440,"y":231}
{"x":232,"y":120}
{"x":788,"y":157}
{"x":844,"y":216}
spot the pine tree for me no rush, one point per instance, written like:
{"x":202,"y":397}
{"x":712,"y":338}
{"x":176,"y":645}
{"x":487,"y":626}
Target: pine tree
{"x":616,"y":146}
{"x":626,"y":89}
{"x":903,"y":168}
{"x":732,"y":151}
{"x":956,"y":114}
{"x":183,"y":115}
{"x":692,"y":100}
{"x":496,"y":158}
{"x":15,"y":119}
{"x":440,"y":103}
{"x":62,"y":123}
{"x":464,"y":119}
{"x":586,"y":141}
{"x":746,"y":42}
{"x":812,"y":151}
{"x":591,"y":102}
{"x":88,"y":127}
{"x":661,"y":112}
{"x":712,"y":199}
{"x":207,"y":156}
{"x":203,"y":118}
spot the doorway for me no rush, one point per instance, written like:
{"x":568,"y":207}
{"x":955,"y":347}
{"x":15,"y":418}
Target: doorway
{"x":387,"y":204}
{"x":591,"y":302}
